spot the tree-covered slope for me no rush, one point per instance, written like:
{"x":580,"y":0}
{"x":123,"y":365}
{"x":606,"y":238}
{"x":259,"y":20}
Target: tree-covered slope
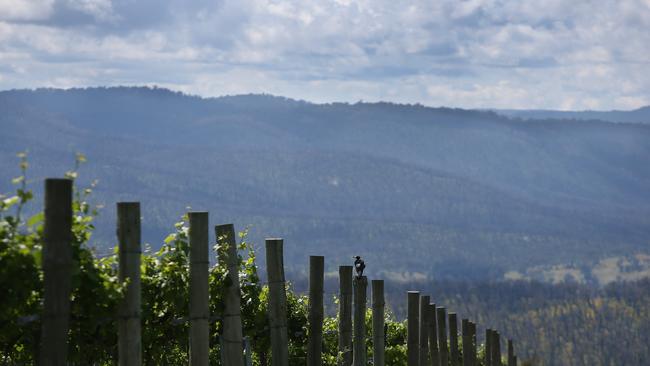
{"x":420,"y":190}
{"x":640,"y":115}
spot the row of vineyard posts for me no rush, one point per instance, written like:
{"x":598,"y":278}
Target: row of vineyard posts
{"x":432,"y":333}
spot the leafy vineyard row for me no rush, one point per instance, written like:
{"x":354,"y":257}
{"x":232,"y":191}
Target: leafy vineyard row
{"x":97,"y":291}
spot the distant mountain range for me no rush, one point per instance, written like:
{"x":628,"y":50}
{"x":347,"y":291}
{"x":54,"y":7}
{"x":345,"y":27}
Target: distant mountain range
{"x":641,"y":115}
{"x":418,"y":191}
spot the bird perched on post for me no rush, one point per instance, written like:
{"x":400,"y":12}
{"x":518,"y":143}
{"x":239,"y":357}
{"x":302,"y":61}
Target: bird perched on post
{"x":359,"y":265}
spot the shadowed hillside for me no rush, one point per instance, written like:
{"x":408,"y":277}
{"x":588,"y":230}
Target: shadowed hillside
{"x":416,"y":190}
{"x":640,"y":115}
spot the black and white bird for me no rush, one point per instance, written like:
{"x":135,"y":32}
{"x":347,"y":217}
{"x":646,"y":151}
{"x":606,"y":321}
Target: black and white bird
{"x":359,"y":265}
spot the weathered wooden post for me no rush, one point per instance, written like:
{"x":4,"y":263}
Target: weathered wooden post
{"x":316,"y":279}
{"x":466,"y":339}
{"x":424,"y":330}
{"x":433,"y":336}
{"x":345,"y":315}
{"x":277,"y":303}
{"x":57,"y":269}
{"x":129,"y":327}
{"x":199,"y":310}
{"x":359,"y":356}
{"x":511,"y":353}
{"x":413,"y":331}
{"x":488,"y":347}
{"x":443,"y":351}
{"x":474,"y":343}
{"x":454,"y":354}
{"x":496,"y":349}
{"x":378,"y":304}
{"x":233,"y":337}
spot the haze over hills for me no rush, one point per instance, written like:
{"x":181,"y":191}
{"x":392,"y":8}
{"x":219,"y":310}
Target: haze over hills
{"x":640,"y":115}
{"x":417,"y":191}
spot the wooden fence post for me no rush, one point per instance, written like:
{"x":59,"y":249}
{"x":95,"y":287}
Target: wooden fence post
{"x":464,"y":325}
{"x":496,"y":349}
{"x":511,"y":353}
{"x":232,"y":334}
{"x":424,"y":330}
{"x":433,"y":336}
{"x":129,"y":327}
{"x":474,"y":343}
{"x":442,"y":336}
{"x":316,"y":279}
{"x":378,"y":335}
{"x":345,"y":315}
{"x":277,"y":303}
{"x":57,"y":267}
{"x":412,"y":328}
{"x":488,"y":347}
{"x":359,"y":356}
{"x":454,"y":354}
{"x":199,"y":310}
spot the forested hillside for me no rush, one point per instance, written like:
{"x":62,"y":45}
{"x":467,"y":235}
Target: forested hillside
{"x":640,"y":115}
{"x":557,"y":324}
{"x":417,"y":191}
{"x":561,"y":324}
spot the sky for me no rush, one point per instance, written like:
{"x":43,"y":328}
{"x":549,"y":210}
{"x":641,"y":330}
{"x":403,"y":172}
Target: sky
{"x":524,"y":54}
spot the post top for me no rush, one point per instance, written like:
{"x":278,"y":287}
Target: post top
{"x":360,"y":281}
{"x":58,"y":180}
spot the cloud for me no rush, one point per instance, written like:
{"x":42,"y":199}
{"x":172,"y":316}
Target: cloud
{"x":475,"y":53}
{"x":25,"y":10}
{"x":99,"y":10}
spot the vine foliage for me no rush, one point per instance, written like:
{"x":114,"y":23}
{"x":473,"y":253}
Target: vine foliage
{"x":96,"y":292}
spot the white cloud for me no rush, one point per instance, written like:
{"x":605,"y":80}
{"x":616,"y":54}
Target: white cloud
{"x":478,"y":53}
{"x":25,"y":9}
{"x":101,"y":10}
